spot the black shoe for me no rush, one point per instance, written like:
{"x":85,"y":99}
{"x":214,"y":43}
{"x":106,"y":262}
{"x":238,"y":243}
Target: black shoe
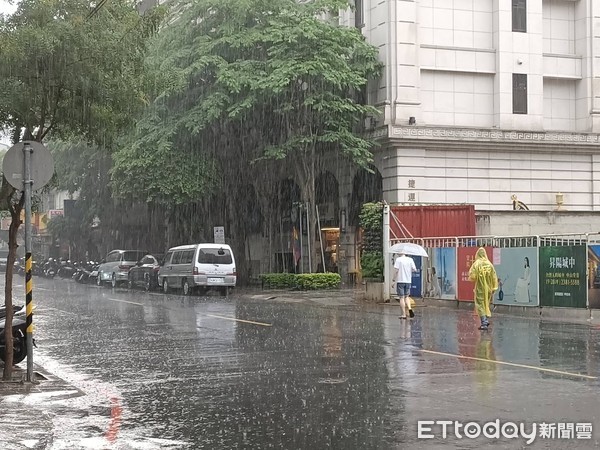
{"x":402,"y":317}
{"x":411,"y":313}
{"x":483,"y":327}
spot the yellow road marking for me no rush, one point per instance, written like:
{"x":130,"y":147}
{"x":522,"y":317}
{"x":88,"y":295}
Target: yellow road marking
{"x":124,"y":301}
{"x":523,"y":366}
{"x":240,"y":320}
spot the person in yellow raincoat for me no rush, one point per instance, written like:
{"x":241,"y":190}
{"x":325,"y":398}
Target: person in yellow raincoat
{"x":483,"y":274}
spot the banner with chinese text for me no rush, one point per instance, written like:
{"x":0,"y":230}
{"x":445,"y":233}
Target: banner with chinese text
{"x":517,"y":271}
{"x":563,"y":272}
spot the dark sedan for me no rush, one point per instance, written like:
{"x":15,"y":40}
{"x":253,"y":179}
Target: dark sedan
{"x":145,"y":273}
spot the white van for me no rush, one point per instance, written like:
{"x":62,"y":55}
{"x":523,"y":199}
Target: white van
{"x":198,"y":265}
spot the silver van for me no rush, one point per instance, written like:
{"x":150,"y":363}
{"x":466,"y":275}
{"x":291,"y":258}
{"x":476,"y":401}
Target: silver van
{"x":115,"y":267}
{"x":198,"y":266}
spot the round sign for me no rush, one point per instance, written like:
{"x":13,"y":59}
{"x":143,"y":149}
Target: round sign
{"x":42,"y":165}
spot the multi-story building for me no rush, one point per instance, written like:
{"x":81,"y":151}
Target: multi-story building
{"x":483,"y":101}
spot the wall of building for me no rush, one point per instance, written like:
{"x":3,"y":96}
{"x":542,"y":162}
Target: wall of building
{"x":438,"y":168}
{"x":441,"y":56}
{"x":527,"y":223}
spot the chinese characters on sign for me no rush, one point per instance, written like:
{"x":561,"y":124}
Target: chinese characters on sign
{"x":563,"y":272}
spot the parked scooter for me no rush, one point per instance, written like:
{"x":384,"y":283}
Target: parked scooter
{"x":66,"y":269}
{"x":19,"y":328}
{"x":85,"y":272}
{"x":49,"y":269}
{"x":19,"y":266}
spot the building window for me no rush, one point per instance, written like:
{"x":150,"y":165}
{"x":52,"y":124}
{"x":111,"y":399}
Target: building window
{"x":519,"y":16}
{"x":358,"y":14}
{"x":519,"y":93}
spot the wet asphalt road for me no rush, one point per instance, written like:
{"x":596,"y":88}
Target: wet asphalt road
{"x":167,"y":371}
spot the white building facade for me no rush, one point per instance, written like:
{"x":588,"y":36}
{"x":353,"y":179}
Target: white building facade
{"x":483,"y":100}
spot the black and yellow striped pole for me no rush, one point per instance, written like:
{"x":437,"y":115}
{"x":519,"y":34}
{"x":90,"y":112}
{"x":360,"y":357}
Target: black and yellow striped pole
{"x":28,"y":162}
{"x":29,"y":312}
{"x":27,"y":185}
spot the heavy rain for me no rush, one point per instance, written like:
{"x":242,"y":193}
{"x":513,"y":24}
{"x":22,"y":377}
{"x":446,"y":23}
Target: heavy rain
{"x":298,"y":224}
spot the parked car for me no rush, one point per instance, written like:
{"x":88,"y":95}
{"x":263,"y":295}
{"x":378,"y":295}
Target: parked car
{"x":199,"y":265}
{"x":145,"y":272}
{"x":115,"y":267}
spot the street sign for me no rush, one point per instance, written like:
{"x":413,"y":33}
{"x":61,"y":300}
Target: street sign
{"x":42,"y":165}
{"x":219,"y":235}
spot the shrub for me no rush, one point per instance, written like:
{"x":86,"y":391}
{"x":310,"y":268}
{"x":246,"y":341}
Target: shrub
{"x":303,"y":281}
{"x":371,"y":221}
{"x":372,"y":264}
{"x":313,"y":281}
{"x":278,"y":280}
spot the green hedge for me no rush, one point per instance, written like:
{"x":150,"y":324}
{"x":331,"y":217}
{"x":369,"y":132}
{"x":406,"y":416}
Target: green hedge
{"x":371,"y":264}
{"x":312,"y":281}
{"x":371,"y":221}
{"x":302,"y":281}
{"x":278,"y":280}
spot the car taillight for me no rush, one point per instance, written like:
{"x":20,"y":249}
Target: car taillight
{"x":124,"y":267}
{"x":156,"y":269}
{"x":233,"y":274}
{"x":197,"y":272}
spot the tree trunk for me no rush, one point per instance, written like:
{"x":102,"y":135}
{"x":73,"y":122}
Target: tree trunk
{"x":15,"y":212}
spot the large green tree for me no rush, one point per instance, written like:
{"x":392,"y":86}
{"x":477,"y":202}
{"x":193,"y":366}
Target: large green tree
{"x":243,"y":82}
{"x":69,"y":69}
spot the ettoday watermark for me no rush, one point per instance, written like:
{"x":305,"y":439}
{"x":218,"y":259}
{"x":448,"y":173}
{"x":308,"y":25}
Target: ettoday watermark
{"x":431,"y":429}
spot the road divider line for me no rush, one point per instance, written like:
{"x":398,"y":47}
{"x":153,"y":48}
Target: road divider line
{"x":123,"y":301}
{"x":504,"y":363}
{"x":240,"y":320}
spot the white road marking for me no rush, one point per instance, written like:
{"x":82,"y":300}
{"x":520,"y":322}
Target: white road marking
{"x":240,"y":320}
{"x":123,"y":301}
{"x":522,"y":366}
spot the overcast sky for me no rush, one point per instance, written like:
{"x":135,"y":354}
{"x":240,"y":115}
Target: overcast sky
{"x":7,"y":8}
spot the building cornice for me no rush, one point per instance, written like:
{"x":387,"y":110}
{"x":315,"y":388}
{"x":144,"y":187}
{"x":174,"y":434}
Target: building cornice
{"x":486,"y":136}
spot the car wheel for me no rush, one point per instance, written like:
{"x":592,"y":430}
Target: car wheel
{"x":130,"y":284}
{"x":187,"y":290}
{"x":165,"y":286}
{"x":113,"y":280}
{"x":147,"y":283}
{"x":99,"y":279}
{"x":224,"y":291}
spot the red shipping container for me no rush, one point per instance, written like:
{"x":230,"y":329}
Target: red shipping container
{"x":433,"y":220}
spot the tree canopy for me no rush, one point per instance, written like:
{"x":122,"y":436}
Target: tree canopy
{"x":276,"y":78}
{"x":72,"y":70}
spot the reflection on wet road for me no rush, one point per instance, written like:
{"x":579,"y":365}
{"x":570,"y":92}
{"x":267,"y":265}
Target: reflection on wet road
{"x":167,"y":371}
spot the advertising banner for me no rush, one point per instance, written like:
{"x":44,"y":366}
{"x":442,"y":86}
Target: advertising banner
{"x":563,"y":272}
{"x":440,"y":273}
{"x":466,"y":255}
{"x":594,"y":276}
{"x":416,"y":287}
{"x":517,"y":270}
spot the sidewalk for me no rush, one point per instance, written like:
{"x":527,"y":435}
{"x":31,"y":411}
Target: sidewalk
{"x":23,"y":424}
{"x":346,"y":297}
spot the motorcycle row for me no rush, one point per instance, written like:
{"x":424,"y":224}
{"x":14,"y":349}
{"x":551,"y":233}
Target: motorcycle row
{"x":82,"y":272}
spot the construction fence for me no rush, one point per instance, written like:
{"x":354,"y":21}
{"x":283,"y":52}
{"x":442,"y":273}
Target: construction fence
{"x":544,"y":270}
